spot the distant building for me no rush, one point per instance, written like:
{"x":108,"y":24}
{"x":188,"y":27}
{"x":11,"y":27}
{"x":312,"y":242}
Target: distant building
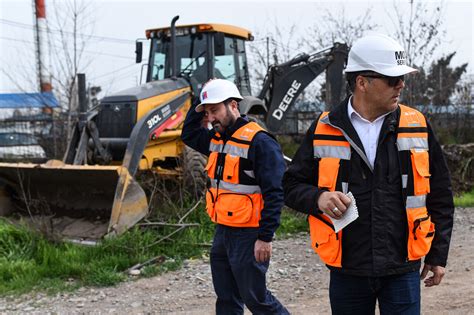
{"x":26,"y":125}
{"x":25,"y":104}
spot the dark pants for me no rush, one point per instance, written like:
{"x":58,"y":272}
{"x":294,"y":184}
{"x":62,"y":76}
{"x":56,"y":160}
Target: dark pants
{"x":237,"y":277}
{"x":398,"y":294}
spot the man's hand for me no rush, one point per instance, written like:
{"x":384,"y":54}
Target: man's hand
{"x":334,"y":203}
{"x":435,"y":279}
{"x":262,"y":251}
{"x":205,"y":122}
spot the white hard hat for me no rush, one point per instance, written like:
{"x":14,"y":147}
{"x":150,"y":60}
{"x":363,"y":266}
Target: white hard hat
{"x":217,"y":91}
{"x":378,"y":53}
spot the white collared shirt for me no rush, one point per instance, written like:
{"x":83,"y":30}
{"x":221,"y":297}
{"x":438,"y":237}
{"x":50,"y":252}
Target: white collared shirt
{"x":368,"y":131}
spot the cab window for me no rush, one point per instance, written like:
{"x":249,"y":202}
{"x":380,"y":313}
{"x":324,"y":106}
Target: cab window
{"x":224,"y":65}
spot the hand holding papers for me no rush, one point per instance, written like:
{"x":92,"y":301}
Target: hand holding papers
{"x":349,"y":216}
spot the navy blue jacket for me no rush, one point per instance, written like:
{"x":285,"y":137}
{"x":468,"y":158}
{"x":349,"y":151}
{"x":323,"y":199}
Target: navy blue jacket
{"x":266,"y":157}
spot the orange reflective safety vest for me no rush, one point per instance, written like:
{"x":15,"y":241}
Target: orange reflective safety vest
{"x":234,"y":197}
{"x":333,"y":150}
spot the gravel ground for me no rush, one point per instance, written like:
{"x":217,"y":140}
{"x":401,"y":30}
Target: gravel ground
{"x":296,"y":276}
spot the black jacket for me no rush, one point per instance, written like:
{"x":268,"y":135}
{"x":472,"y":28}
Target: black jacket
{"x":376,"y":243}
{"x":267,"y":162}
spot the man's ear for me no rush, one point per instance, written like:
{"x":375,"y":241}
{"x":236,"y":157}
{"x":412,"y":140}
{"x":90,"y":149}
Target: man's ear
{"x":234,"y":105}
{"x":361,"y":84}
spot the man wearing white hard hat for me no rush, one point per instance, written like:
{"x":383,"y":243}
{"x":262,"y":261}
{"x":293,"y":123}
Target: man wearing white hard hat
{"x":376,"y":164}
{"x":244,"y":197}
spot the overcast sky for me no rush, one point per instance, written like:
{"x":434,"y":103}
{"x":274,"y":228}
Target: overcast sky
{"x":116,"y":25}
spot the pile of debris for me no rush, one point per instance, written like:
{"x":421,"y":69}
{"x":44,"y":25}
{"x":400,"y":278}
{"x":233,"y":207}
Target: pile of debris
{"x":460,"y":159}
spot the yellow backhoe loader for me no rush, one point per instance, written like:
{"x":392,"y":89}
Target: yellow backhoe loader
{"x":93,"y":192}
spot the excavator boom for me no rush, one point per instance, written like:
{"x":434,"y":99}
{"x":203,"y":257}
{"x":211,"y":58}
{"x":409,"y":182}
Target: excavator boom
{"x":285,"y":82}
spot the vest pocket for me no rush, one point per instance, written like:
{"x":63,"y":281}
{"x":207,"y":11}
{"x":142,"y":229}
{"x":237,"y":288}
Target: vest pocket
{"x":211,"y":165}
{"x":231,"y":169}
{"x":421,"y":171}
{"x":328,"y":171}
{"x":234,"y":209}
{"x":325,"y":242}
{"x":420,"y":233}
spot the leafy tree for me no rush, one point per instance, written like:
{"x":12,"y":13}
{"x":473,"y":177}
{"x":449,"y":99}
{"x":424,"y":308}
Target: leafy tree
{"x":435,"y":87}
{"x":442,"y":79}
{"x":419,"y":85}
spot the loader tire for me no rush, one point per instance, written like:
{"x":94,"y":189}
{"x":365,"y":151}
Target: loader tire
{"x":194,"y":176}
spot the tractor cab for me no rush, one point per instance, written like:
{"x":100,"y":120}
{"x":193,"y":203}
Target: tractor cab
{"x":200,"y":52}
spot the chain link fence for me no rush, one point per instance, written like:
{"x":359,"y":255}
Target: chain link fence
{"x":39,"y":136}
{"x":451,"y":124}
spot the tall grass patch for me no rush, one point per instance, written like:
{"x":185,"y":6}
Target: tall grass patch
{"x":291,"y":223}
{"x":29,"y":261}
{"x":465,"y":200}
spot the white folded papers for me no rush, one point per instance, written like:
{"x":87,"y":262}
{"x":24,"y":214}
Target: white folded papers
{"x":349,"y":216}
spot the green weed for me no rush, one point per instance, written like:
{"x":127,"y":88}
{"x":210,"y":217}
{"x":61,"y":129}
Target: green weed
{"x":28,"y":261}
{"x":291,"y":223}
{"x":289,"y":145}
{"x":465,"y":200}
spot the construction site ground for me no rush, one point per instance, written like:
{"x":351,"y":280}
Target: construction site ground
{"x":296,"y":276}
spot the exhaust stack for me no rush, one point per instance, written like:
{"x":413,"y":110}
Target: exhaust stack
{"x":41,"y":41}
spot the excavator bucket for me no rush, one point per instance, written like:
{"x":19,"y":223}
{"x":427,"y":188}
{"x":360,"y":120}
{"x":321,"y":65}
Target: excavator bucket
{"x":85,"y":202}
{"x":72,"y":201}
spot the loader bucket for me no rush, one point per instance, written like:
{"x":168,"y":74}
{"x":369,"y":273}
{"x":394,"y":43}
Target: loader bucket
{"x":82,"y":202}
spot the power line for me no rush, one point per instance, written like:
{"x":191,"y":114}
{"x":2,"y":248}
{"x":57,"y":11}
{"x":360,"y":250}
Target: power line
{"x":50,"y":30}
{"x":122,"y":77}
{"x":112,"y":72}
{"x":16,"y":40}
{"x":276,"y":43}
{"x":86,"y":51}
{"x":107,"y":54}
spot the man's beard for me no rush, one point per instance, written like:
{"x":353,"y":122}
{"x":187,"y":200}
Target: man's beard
{"x":222,"y":125}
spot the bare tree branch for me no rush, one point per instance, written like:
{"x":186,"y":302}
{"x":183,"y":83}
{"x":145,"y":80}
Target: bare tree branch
{"x":421,"y":31}
{"x":337,"y":26}
{"x":276,"y":45}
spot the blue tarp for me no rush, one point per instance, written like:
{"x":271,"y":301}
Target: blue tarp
{"x":28,"y":100}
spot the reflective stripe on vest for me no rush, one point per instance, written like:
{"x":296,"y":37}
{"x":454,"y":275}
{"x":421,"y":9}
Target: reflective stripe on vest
{"x":330,"y":142}
{"x":230,"y":201}
{"x":237,"y":188}
{"x":333,"y":151}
